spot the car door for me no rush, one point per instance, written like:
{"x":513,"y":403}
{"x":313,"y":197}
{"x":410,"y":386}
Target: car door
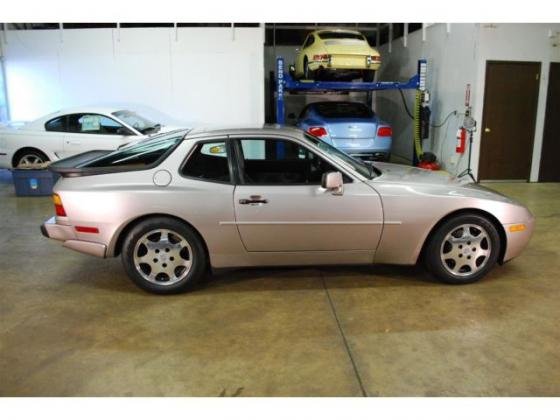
{"x":94,"y":132}
{"x":280,"y":204}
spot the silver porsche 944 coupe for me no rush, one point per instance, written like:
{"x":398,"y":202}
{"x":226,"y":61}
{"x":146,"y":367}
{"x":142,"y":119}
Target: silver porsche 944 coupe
{"x":178,"y":204}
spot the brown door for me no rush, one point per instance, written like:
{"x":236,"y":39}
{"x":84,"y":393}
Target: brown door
{"x":550,"y":156}
{"x":508,"y":122}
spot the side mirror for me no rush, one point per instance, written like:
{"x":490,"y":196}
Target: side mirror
{"x":123,"y":131}
{"x":332,"y":181}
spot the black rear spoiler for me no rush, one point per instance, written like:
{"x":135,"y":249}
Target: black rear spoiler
{"x":73,"y":165}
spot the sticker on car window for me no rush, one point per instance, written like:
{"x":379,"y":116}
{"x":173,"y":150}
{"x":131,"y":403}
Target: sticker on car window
{"x":90,"y":123}
{"x":214,"y":149}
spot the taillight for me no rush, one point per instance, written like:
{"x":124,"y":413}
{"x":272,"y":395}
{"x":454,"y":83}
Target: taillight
{"x":384,"y":132}
{"x":375,"y":58}
{"x":58,"y":207}
{"x":317,"y":131}
{"x":321,"y":57}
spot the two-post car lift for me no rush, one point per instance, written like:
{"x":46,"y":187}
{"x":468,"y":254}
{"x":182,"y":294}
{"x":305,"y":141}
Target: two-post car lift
{"x":286,"y":83}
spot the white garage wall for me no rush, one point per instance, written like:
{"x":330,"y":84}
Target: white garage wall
{"x":451,"y":65}
{"x":455,"y":59}
{"x":199,"y":76}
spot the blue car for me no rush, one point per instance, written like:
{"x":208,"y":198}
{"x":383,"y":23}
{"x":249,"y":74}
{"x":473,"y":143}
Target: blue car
{"x":349,"y":126}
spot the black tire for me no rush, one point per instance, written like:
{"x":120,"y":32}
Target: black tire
{"x":133,"y":243}
{"x":368,"y":76}
{"x":306,"y":75}
{"x":29,"y":152}
{"x":438,"y":247}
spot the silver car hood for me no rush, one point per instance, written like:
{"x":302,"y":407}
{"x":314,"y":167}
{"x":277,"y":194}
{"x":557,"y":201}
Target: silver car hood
{"x":439,"y":182}
{"x":391,"y":172}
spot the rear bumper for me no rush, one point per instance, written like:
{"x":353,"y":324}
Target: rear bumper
{"x":345,"y":62}
{"x":52,"y":230}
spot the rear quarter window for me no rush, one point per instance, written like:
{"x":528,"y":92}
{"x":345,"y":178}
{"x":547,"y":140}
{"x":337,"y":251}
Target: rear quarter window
{"x":208,"y":162}
{"x":56,"y":124}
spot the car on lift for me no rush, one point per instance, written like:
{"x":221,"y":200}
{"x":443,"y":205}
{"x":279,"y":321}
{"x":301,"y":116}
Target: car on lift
{"x":336,"y":54}
{"x":72,"y":131}
{"x":350,"y":126}
{"x":177,"y":204}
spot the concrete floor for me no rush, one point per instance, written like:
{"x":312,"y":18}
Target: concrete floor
{"x":71,"y":324}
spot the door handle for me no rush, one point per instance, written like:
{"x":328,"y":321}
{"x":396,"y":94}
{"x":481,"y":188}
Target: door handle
{"x":486,"y":130}
{"x":73,"y":142}
{"x":254,"y":199}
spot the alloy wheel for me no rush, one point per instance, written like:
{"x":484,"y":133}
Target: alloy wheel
{"x":30,"y":159}
{"x":163,"y":257}
{"x":465,"y":250}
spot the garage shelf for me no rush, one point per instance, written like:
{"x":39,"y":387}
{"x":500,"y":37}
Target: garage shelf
{"x":286,"y":83}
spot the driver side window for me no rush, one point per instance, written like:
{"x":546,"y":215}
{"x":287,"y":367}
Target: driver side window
{"x":93,"y":124}
{"x":280,"y":162}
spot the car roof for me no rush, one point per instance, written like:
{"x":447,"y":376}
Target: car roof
{"x":345,"y":31}
{"x":267,"y":129}
{"x":104,"y":110}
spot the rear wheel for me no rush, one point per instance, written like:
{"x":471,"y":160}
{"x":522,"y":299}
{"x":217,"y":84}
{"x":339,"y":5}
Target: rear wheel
{"x":368,"y":75}
{"x":306,"y":71}
{"x":463,"y":249}
{"x":29,"y":157}
{"x":163,"y":255}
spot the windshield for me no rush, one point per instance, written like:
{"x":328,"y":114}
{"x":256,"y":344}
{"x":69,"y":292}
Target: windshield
{"x":142,"y":124}
{"x":142,"y":153}
{"x":359,"y":166}
{"x":341,"y":35}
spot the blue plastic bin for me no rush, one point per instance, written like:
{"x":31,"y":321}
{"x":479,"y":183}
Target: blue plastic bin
{"x":33,"y":182}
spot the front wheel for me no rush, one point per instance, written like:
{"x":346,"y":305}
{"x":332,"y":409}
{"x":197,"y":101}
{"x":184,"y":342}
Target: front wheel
{"x":463,"y":249}
{"x":162,"y":255}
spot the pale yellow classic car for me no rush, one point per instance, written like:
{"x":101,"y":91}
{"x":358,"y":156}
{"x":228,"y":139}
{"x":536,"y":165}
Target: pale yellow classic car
{"x":336,"y":53}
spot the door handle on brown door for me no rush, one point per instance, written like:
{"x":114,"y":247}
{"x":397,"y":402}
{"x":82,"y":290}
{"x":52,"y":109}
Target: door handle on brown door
{"x":486,"y":130}
{"x":254,"y":199}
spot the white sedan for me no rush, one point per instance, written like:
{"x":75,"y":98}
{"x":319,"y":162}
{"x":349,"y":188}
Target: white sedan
{"x":72,"y":131}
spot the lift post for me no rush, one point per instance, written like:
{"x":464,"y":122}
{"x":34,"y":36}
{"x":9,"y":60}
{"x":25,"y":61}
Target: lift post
{"x":285,"y":82}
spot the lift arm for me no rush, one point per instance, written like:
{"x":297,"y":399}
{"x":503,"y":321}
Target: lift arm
{"x":285,"y":82}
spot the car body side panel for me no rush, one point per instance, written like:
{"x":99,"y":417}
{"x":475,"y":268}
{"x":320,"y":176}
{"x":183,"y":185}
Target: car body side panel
{"x":413,"y":202}
{"x":50,"y":143}
{"x":415,"y":209}
{"x":309,"y":218}
{"x":112,"y":201}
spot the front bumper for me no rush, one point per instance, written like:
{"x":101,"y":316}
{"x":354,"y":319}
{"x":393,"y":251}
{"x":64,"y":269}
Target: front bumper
{"x":517,"y":241}
{"x":65,"y":233}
